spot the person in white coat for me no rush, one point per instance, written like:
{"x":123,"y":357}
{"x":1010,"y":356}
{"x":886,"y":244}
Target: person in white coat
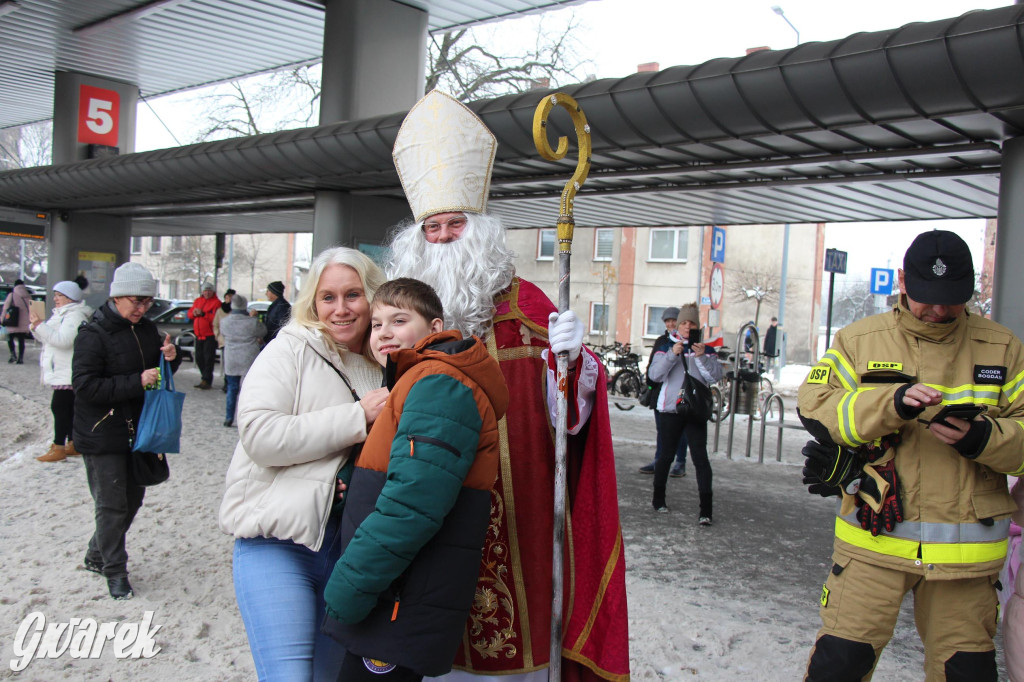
{"x":57,"y":334}
{"x":305,"y":406}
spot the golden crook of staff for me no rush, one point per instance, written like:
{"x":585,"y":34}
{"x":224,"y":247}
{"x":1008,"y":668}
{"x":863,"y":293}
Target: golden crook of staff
{"x":540,"y":139}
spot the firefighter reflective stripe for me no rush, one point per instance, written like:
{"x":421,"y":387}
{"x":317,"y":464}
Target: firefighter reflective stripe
{"x":940,"y":543}
{"x":979,"y":394}
{"x":1013,"y":388}
{"x":965,"y":553}
{"x":881,"y":544}
{"x":847,"y":424}
{"x":925,"y":531}
{"x":842,"y":367}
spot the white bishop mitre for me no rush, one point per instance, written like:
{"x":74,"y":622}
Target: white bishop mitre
{"x":444,"y":154}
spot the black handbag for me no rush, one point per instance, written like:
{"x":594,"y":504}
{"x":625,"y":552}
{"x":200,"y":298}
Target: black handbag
{"x":694,"y":403}
{"x":12,"y":316}
{"x":148,"y":468}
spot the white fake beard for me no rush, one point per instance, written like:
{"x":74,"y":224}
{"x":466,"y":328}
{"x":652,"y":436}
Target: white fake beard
{"x":466,"y":273}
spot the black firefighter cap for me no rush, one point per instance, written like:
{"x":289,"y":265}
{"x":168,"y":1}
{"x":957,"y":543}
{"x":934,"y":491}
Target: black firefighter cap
{"x":938,"y":269}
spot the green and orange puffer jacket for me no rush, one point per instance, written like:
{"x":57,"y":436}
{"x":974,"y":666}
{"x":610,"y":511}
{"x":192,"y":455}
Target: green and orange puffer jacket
{"x":418,"y":507}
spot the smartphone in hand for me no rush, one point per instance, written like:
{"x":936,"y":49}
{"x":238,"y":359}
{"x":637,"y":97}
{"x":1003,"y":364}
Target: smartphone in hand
{"x":695,"y":336}
{"x":966,"y":412}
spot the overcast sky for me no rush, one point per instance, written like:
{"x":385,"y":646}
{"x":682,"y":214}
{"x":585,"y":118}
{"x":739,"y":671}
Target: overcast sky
{"x":625,"y":33}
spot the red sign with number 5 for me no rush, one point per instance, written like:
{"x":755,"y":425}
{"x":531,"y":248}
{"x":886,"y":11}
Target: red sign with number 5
{"x":98,"y":115}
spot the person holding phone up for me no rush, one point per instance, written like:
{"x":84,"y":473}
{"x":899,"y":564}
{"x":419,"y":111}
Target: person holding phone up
{"x":937,"y":522}
{"x":670,"y":366}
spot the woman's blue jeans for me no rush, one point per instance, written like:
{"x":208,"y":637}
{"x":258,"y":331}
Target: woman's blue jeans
{"x":279,"y":586}
{"x":234,"y":384}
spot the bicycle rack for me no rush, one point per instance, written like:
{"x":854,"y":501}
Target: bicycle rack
{"x":734,"y":393}
{"x":717,"y":415}
{"x":780,"y":425}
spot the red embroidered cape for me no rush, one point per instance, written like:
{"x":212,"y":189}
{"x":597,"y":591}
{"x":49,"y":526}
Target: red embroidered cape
{"x":508,"y":630}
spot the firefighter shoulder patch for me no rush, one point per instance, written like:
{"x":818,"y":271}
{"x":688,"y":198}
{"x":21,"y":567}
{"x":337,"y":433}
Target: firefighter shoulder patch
{"x":819,"y":375}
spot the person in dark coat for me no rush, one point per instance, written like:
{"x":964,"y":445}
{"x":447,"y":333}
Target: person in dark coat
{"x":278,"y":312}
{"x":117,"y":355}
{"x":770,"y":336}
{"x":20,"y":300}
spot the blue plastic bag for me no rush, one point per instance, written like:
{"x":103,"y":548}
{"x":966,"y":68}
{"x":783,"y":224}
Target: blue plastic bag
{"x":160,"y":423}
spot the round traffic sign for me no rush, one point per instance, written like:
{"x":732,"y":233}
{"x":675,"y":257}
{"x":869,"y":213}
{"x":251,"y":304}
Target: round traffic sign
{"x":717,"y":285}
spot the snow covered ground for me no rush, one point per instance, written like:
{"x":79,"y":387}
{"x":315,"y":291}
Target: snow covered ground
{"x":737,"y":601}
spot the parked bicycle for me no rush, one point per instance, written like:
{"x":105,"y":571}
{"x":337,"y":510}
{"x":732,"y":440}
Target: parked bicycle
{"x":622,"y":366}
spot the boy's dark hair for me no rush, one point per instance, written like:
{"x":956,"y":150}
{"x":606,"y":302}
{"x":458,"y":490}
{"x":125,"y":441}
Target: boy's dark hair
{"x":410,"y":294}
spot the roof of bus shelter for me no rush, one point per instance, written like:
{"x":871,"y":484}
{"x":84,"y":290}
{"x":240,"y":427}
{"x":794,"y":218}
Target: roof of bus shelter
{"x":905,"y":124}
{"x":164,"y":46}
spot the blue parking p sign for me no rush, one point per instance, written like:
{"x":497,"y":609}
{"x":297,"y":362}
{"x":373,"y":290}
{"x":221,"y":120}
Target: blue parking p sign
{"x":718,"y":245}
{"x":881,"y":281}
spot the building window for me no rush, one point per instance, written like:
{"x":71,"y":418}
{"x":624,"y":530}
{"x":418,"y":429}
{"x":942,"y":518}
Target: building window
{"x":546,"y":244}
{"x":599,"y":318}
{"x":654,"y":326}
{"x":154,"y":244}
{"x":172,"y":289}
{"x":604,"y":242}
{"x":136,"y":246}
{"x":669,"y":244}
{"x":176,"y":244}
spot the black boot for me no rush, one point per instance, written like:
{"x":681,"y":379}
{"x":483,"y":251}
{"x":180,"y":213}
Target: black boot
{"x":659,"y":499}
{"x":705,"y":509}
{"x":120,"y":588}
{"x":14,"y":358}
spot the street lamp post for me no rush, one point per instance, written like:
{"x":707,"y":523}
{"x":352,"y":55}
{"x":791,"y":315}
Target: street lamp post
{"x":785,"y":249}
{"x":778,"y":10}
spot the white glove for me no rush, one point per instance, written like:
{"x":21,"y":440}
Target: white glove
{"x":565,"y":333}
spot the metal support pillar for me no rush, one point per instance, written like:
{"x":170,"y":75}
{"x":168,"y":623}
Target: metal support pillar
{"x":92,"y":116}
{"x":374,"y":64}
{"x":1007,"y":303}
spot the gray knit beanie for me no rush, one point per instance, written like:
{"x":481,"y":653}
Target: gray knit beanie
{"x":131,"y":279}
{"x":671,"y":313}
{"x":239,"y":302}
{"x":690,"y":312}
{"x":69,"y":289}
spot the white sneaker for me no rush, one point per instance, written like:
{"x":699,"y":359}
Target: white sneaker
{"x":705,"y":521}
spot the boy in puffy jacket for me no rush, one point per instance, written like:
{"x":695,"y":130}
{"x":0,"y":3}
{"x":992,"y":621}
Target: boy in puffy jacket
{"x":419,"y":503}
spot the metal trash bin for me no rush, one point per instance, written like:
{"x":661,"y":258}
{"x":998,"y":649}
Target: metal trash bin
{"x":749,"y":385}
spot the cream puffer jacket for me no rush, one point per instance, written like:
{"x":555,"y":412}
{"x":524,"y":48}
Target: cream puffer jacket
{"x":57,"y":334}
{"x":297,"y":423}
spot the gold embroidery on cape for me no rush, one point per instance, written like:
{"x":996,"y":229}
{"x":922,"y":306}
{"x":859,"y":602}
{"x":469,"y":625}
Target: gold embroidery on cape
{"x":493,"y":617}
{"x":521,"y":353}
{"x":514,"y":311}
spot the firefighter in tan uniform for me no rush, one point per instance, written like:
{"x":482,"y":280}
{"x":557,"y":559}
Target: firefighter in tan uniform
{"x":925,"y":505}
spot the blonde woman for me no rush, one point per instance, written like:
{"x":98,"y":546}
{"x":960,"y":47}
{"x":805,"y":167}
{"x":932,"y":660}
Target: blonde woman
{"x":307,"y":402}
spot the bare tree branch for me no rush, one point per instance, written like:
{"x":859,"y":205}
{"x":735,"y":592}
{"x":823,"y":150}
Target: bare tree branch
{"x":759,"y":285}
{"x":469,"y":66}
